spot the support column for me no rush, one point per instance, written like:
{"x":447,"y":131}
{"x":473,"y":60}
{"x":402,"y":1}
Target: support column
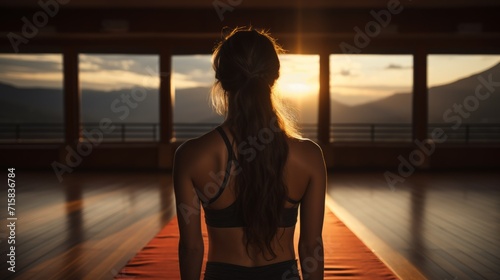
{"x":419,"y":104}
{"x":165,"y":148}
{"x":165,"y":98}
{"x":71,"y":97}
{"x":324,"y":99}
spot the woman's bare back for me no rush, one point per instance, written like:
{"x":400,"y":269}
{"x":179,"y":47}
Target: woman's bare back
{"x":206,"y":158}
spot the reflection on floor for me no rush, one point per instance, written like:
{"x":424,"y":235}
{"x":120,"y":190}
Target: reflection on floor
{"x":446,"y":224}
{"x":89,"y":225}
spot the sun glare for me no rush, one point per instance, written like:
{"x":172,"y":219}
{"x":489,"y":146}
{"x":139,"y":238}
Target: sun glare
{"x":294,"y":89}
{"x":299,"y":76}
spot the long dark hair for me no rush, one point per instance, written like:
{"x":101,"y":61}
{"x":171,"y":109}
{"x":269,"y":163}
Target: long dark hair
{"x":246,"y":68}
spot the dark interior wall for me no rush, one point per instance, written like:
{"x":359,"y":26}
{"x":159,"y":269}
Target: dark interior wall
{"x":305,"y":30}
{"x":154,"y":157}
{"x":309,"y":30}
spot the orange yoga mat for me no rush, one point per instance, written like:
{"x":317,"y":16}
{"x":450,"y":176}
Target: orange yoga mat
{"x":346,"y":257}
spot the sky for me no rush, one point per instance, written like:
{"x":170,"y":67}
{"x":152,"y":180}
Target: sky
{"x":112,"y":72}
{"x":354,"y":79}
{"x":444,"y":69}
{"x":299,"y":73}
{"x":31,"y":70}
{"x":357,"y":79}
{"x":299,"y":79}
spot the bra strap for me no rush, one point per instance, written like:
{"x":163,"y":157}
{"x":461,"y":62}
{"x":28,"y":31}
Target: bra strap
{"x":226,"y":140}
{"x":228,"y":167}
{"x":292,"y":201}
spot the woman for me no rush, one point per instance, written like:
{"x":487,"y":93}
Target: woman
{"x":250,"y":175}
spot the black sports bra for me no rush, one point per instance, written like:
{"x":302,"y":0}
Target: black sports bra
{"x":228,"y":217}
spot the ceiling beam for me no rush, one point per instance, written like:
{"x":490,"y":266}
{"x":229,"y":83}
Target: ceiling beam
{"x":244,"y":4}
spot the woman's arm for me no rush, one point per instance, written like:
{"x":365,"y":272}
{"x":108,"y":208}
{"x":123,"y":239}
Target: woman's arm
{"x":312,"y":210}
{"x":188,"y":216}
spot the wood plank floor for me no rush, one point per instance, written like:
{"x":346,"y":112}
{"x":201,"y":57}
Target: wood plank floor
{"x":446,"y":224}
{"x":86,"y":227}
{"x":91,"y":224}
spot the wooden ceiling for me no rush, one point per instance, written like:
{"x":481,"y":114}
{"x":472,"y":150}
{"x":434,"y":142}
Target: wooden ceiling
{"x":301,"y":25}
{"x":258,"y":3}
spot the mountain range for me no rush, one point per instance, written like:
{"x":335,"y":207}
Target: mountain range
{"x":42,"y":105}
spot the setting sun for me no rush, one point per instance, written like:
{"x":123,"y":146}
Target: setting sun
{"x":299,"y":76}
{"x":294,"y":89}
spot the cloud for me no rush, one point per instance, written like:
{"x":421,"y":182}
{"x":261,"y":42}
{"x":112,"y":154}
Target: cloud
{"x":117,"y":79}
{"x":103,"y":71}
{"x":393,"y":66}
{"x":97,"y":71}
{"x":345,"y":72}
{"x":186,"y":63}
{"x":192,"y":71}
{"x":115,"y":71}
{"x":138,"y":64}
{"x":31,"y":70}
{"x":30,"y":63}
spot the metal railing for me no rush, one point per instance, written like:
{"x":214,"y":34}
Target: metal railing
{"x":31,"y":132}
{"x":366,"y":132}
{"x":125,"y":132}
{"x":339,"y":132}
{"x":54,"y":132}
{"x":384,"y":132}
{"x":468,"y":133}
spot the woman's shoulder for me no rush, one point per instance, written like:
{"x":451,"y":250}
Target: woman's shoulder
{"x":196,"y":148}
{"x":305,"y":145}
{"x":306,"y":151}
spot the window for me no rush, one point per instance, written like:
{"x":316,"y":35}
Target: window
{"x":298,"y":86}
{"x":371,"y":97}
{"x":122,"y":91}
{"x":31,"y":100}
{"x":463,"y":96}
{"x":192,"y":80}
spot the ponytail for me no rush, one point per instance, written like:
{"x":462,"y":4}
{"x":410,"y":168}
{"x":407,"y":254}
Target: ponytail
{"x":254,"y":105}
{"x":246,"y":65}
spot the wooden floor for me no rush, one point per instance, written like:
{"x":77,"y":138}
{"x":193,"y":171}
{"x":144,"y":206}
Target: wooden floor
{"x":88,"y":227}
{"x":446,"y":224}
